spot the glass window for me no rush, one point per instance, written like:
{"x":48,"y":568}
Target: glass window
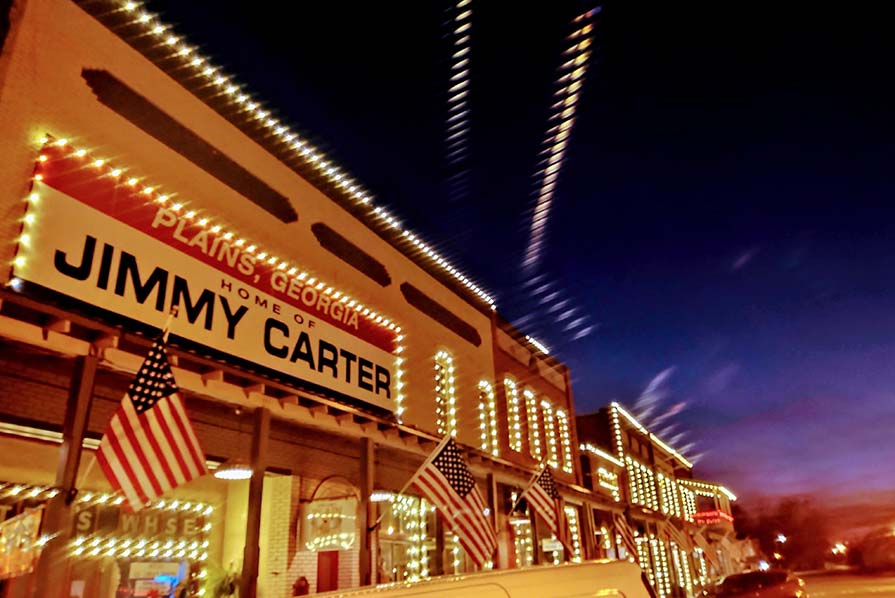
{"x":574,"y":533}
{"x":445,"y":394}
{"x":406,"y":539}
{"x":488,"y":418}
{"x":534,"y":428}
{"x":514,"y":413}
{"x":550,"y":429}
{"x":565,"y":438}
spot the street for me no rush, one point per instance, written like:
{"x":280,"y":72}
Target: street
{"x":853,"y":586}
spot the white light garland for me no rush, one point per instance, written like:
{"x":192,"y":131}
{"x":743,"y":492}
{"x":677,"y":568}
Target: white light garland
{"x":557,"y":137}
{"x":290,"y":274}
{"x":514,"y":414}
{"x":445,"y":394}
{"x":488,"y":419}
{"x":565,"y":437}
{"x":598,"y":452}
{"x":534,"y":429}
{"x":574,"y":532}
{"x":538,"y":345}
{"x":550,"y":430}
{"x":241,"y":100}
{"x":708,"y":489}
{"x":660,"y":558}
{"x":609,"y":480}
{"x":616,"y":408}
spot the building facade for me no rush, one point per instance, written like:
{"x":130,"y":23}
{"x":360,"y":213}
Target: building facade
{"x":319,"y":343}
{"x":682,"y":527}
{"x":319,"y":346}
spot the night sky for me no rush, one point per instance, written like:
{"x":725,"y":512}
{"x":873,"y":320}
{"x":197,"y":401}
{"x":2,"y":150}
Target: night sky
{"x":719,"y":253}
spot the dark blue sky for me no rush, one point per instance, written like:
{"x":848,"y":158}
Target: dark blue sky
{"x":724,"y":215}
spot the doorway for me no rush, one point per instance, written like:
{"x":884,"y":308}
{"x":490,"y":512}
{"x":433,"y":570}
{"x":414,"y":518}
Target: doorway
{"x":327,"y":571}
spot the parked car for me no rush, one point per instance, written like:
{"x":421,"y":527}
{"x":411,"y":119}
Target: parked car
{"x":607,"y":579}
{"x":761,"y":584}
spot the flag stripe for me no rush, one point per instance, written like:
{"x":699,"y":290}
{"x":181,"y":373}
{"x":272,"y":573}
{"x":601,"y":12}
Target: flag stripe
{"x":176,"y":434}
{"x":166,"y":448}
{"x":131,"y":444}
{"x":186,"y":430}
{"x":161,"y":416}
{"x":621,"y":527}
{"x":143,"y":445}
{"x":116,"y":455}
{"x":445,"y":480}
{"x":123,"y":453}
{"x":447,"y":506}
{"x":114,"y":473}
{"x":448,"y":501}
{"x":479,"y":503}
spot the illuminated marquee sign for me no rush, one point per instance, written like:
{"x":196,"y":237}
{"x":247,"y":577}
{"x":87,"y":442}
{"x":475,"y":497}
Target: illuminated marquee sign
{"x":93,"y":235}
{"x":710,"y":517}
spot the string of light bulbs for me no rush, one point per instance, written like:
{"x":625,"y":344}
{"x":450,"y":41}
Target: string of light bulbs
{"x":556,"y":139}
{"x":298,"y":145}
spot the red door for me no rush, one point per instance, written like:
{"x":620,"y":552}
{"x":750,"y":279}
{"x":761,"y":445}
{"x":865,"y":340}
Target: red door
{"x":328,"y":571}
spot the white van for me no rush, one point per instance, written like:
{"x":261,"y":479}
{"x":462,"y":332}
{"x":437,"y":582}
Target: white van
{"x":603,"y":579}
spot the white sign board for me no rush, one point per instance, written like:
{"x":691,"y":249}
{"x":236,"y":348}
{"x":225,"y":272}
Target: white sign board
{"x":90,"y":236}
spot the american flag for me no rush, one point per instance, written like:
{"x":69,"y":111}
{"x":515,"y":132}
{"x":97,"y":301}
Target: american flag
{"x":623,"y":529}
{"x":679,"y":537}
{"x":543,"y":496}
{"x":445,"y":481}
{"x":150,"y":446}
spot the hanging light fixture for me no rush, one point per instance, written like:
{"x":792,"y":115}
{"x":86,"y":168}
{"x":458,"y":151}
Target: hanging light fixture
{"x":235,"y":468}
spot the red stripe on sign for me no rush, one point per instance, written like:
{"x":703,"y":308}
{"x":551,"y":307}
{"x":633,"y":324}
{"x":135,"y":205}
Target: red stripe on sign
{"x":78,"y":179}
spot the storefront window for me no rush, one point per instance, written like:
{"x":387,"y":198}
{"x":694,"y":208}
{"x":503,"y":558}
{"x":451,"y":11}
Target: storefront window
{"x":550,"y":429}
{"x":523,"y":537}
{"x":574,"y":533}
{"x":406,"y":539}
{"x":514,"y":414}
{"x":445,"y":394}
{"x":488,"y":418}
{"x":181,"y":540}
{"x":565,"y":438}
{"x":534,"y":428}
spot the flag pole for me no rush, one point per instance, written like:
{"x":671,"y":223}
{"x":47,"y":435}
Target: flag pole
{"x":534,"y":478}
{"x":413,"y":478}
{"x":166,"y":329}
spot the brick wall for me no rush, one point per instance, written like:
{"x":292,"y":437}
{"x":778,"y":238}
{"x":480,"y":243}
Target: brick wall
{"x":273,"y":578}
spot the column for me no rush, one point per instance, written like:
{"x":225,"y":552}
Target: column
{"x":248,"y":584}
{"x":51,"y":570}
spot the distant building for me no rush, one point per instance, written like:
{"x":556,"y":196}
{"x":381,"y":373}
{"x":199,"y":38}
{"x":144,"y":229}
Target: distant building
{"x":682,"y":527}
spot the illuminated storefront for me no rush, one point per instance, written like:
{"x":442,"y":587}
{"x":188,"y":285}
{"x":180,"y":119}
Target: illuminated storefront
{"x":321,"y":347}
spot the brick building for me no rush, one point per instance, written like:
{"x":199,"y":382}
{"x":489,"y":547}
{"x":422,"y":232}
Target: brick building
{"x":682,"y":527}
